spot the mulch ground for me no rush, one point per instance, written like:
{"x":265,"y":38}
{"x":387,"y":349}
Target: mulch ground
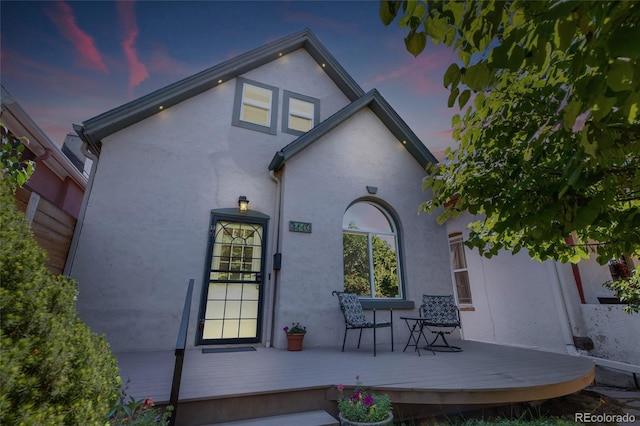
{"x":585,"y":401}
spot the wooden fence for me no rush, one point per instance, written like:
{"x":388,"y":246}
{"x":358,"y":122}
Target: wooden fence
{"x":52,"y":229}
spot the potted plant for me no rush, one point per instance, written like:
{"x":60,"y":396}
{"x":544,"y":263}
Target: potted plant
{"x":295,"y":336}
{"x":363,"y":408}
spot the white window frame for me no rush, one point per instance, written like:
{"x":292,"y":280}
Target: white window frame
{"x":455,"y":239}
{"x":240,"y":101}
{"x":369,"y":233}
{"x":287,"y":111}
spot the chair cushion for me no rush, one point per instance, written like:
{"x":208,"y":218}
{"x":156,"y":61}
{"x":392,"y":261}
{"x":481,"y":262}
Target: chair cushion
{"x":352,"y":309}
{"x":440,"y":310}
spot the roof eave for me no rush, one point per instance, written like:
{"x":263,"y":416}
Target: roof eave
{"x":132,"y":112}
{"x":374,"y":100}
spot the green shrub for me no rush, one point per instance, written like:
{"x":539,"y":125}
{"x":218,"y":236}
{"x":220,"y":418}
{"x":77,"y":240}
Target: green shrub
{"x":53,"y":369}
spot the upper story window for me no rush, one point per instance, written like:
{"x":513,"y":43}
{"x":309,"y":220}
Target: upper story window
{"x":299,"y":113}
{"x":459,"y":268}
{"x":370,"y":251}
{"x":255,"y":106}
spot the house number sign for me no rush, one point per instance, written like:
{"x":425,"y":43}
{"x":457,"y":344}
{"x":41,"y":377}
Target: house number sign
{"x":299,"y":227}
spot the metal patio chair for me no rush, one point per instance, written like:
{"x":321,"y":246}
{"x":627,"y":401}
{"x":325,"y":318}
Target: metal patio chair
{"x":354,"y":318}
{"x":441,"y":316}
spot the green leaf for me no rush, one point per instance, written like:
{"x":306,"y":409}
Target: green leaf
{"x":620,"y":76}
{"x":436,"y":28}
{"x":456,"y":8}
{"x":477,"y":76}
{"x":625,"y":42}
{"x":588,"y":214}
{"x":602,"y":106}
{"x":452,"y":97}
{"x":499,"y":57}
{"x":479,"y":100}
{"x":452,"y":76}
{"x":464,"y":98}
{"x":419,"y":12}
{"x":564,"y":33}
{"x":575,"y":175}
{"x":631,"y":107}
{"x":415,"y":42}
{"x":589,"y":147}
{"x":570,"y":113}
{"x":388,"y":11}
{"x":516,"y":58}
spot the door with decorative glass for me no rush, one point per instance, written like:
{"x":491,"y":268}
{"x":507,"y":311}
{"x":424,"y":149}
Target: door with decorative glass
{"x":231,"y":305}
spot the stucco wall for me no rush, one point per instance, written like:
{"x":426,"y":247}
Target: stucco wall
{"x":147,"y":217}
{"x":319,"y":185}
{"x":520,"y":301}
{"x":593,"y":275}
{"x":512,"y":299}
{"x":614,"y":332}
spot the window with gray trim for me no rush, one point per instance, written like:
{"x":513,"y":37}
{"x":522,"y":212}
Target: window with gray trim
{"x":255,"y":106}
{"x":371,"y":252}
{"x":300,"y":113}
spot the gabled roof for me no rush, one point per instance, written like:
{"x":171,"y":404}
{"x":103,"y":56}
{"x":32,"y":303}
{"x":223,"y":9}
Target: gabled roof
{"x":379,"y":106}
{"x":21,"y":124}
{"x":95,"y":129}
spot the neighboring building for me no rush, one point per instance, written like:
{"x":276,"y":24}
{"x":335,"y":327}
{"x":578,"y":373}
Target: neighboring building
{"x":515,"y":300}
{"x":323,"y":165}
{"x":52,"y":197}
{"x":72,"y":148}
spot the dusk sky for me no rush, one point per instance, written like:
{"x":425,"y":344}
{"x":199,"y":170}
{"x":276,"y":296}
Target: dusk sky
{"x":67,"y":61}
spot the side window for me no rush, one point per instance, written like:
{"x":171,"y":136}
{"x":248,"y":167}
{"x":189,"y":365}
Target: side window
{"x":620,"y":268}
{"x":459,"y":268}
{"x":255,"y":106}
{"x":299,"y":113}
{"x":370,"y":252}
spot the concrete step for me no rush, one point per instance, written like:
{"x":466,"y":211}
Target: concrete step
{"x":308,"y":418}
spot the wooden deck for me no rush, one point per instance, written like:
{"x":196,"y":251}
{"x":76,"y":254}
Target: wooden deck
{"x":481,"y":374}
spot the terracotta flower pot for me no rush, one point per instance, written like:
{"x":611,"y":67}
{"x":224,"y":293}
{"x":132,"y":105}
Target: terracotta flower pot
{"x":294,"y":342}
{"x":386,"y":422}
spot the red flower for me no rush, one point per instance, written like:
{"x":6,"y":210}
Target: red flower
{"x":148,"y":403}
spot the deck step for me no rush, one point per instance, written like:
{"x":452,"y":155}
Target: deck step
{"x":308,"y":418}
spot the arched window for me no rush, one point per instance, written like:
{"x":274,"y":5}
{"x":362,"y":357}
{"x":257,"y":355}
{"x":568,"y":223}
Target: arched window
{"x":370,"y":251}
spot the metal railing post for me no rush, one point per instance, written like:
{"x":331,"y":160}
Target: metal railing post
{"x":180,"y":348}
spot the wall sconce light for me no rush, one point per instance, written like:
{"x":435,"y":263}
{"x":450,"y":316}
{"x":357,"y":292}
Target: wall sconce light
{"x":243,"y":204}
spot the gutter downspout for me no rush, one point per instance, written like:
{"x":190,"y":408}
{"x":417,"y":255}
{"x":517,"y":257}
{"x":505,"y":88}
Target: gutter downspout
{"x":275,"y":248}
{"x":567,"y":325}
{"x":83,"y":209}
{"x":566,"y":322}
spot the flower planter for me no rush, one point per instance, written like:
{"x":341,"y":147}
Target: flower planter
{"x":386,"y":422}
{"x":294,"y":342}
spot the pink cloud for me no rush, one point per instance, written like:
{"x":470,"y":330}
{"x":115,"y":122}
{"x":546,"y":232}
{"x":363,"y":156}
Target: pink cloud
{"x":162,"y":61}
{"x":63,"y":18}
{"x":20,"y":70}
{"x":137,"y":70}
{"x":424,"y":73}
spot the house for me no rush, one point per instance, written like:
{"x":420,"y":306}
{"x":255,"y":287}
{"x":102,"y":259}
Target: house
{"x":268,"y":178}
{"x":52,"y":196}
{"x":250,"y":177}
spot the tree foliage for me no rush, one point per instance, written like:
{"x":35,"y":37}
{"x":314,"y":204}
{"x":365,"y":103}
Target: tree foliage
{"x":357,"y":266}
{"x":53,"y":369}
{"x":14,"y":168}
{"x":548,"y":128}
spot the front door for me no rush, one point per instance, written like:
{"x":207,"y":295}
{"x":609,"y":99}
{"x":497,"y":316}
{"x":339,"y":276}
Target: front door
{"x":232,"y":301}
